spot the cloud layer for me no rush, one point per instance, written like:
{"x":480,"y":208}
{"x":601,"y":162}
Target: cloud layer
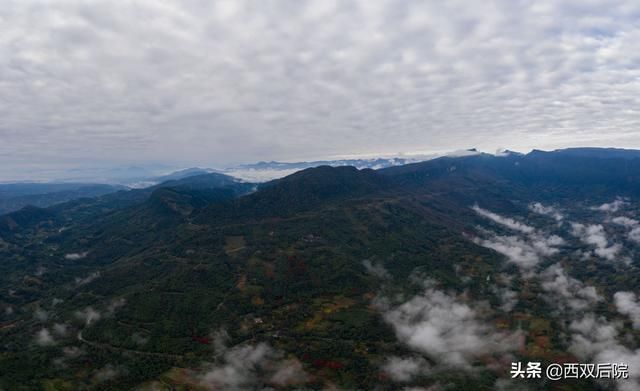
{"x":226,"y":81}
{"x":249,"y":366}
{"x":596,"y":339}
{"x":526,"y":249}
{"x":445,"y":330}
{"x":565,"y":292}
{"x":595,"y":235}
{"x":546,"y":210}
{"x":627,"y":303}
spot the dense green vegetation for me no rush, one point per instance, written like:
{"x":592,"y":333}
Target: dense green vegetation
{"x":169,"y":267}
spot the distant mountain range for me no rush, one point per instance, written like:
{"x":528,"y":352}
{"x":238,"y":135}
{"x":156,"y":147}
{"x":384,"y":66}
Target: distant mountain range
{"x":14,"y":196}
{"x":95,"y":182}
{"x":265,"y":171}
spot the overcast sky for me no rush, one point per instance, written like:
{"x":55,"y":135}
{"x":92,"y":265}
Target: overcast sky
{"x":217,"y":83}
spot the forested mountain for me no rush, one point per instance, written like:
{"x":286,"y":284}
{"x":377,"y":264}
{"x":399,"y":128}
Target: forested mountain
{"x":18,"y":195}
{"x":14,"y":196}
{"x":433,"y":274}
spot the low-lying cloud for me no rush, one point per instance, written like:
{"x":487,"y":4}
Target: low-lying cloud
{"x":376,"y":269}
{"x":515,"y":249}
{"x":595,"y":235}
{"x":538,"y":208}
{"x":405,"y":369}
{"x":69,"y":353}
{"x":505,"y":221}
{"x":250,"y":366}
{"x":525,"y":250}
{"x":627,"y":304}
{"x":567,"y":292}
{"x":139,"y":338}
{"x":611,"y":207}
{"x":444,"y":329}
{"x":91,"y":277}
{"x":41,"y":315}
{"x":114,"y":305}
{"x":44,"y":337}
{"x":508,"y":298}
{"x":109,"y":372}
{"x":632,"y":224}
{"x":595,"y":340}
{"x":75,"y":256}
{"x":88,"y":315}
{"x":61,"y":329}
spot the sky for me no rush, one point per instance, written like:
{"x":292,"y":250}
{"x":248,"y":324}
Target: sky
{"x":217,"y":83}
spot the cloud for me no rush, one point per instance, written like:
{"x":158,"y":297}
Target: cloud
{"x":73,"y":352}
{"x":44,"y":338}
{"x":611,"y":206}
{"x":75,"y":256}
{"x":108,"y":372}
{"x":69,"y":353}
{"x":515,"y":249}
{"x":41,"y":315}
{"x":505,"y":221}
{"x":404,"y":369}
{"x":508,"y":298}
{"x":91,"y":277}
{"x":546,"y":210}
{"x":634,"y":225}
{"x":625,"y":221}
{"x":139,"y":338}
{"x":627,"y":304}
{"x":61,"y":329}
{"x":220,"y":340}
{"x":256,"y":175}
{"x":446,"y":330}
{"x":244,"y":367}
{"x":289,"y":372}
{"x":546,"y":245}
{"x":595,"y":235}
{"x":288,"y":80}
{"x":88,"y":315}
{"x":596,"y":340}
{"x":114,"y":305}
{"x":376,"y":269}
{"x":526,"y":250}
{"x":565,"y":291}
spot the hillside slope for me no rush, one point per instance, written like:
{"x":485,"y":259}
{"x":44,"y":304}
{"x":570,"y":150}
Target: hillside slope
{"x":326,"y":274}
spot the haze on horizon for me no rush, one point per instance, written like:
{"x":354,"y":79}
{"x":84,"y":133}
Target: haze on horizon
{"x":215,"y":83}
